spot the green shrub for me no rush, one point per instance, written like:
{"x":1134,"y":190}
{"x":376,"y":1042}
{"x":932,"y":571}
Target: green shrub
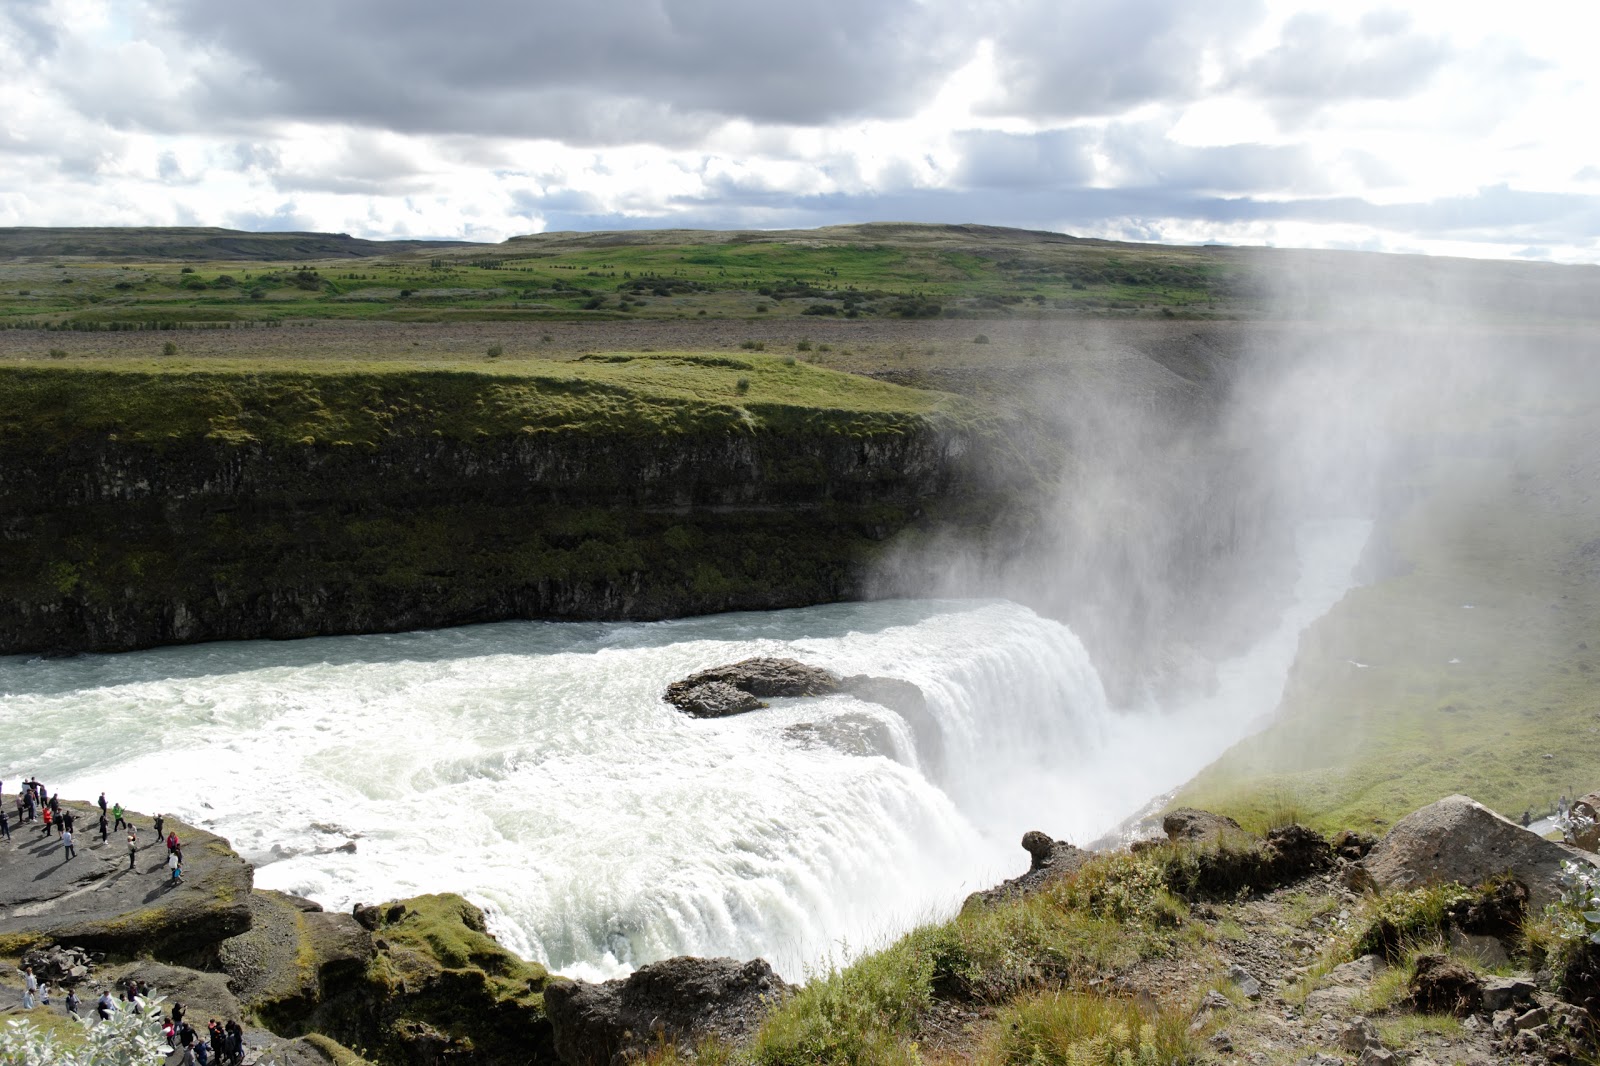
{"x":803,"y":346}
{"x":1072,"y":1029}
{"x":169,"y":348}
{"x":58,"y":353}
{"x":495,"y":351}
{"x":753,"y":346}
{"x":742,"y":386}
{"x":981,"y":339}
{"x":1399,"y":921}
{"x":861,"y":1014}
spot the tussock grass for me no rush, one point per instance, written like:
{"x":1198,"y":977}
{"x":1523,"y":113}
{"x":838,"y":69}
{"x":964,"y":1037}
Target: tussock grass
{"x":1396,"y":924}
{"x":1106,"y":917}
{"x":1072,"y":1029}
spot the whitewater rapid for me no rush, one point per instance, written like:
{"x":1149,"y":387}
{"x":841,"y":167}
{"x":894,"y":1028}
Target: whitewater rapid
{"x":534,"y":768}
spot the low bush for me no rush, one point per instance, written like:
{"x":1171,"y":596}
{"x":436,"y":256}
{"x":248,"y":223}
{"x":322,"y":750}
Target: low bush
{"x":1071,"y":1029}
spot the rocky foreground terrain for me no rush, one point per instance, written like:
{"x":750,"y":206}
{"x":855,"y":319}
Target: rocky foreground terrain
{"x":1441,"y":943}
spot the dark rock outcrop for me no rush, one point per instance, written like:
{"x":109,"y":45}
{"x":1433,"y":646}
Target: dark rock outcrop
{"x":1460,"y":840}
{"x":679,"y":1001}
{"x":96,"y":902}
{"x":1353,"y":846}
{"x":1223,"y":860}
{"x":711,"y":699}
{"x":1051,"y":859}
{"x":718,"y":691}
{"x":231,"y":527}
{"x":745,"y":686}
{"x":1442,"y":985}
{"x":1189,"y":825}
{"x":59,"y":965}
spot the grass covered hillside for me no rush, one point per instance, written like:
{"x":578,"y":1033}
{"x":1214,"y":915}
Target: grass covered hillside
{"x":94,"y":280}
{"x":1469,"y":660}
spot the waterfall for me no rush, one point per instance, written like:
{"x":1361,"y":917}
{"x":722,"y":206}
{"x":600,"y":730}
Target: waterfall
{"x":534,"y":768}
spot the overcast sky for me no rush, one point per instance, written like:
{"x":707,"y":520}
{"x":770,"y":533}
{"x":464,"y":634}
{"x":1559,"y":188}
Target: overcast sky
{"x":1460,"y":127}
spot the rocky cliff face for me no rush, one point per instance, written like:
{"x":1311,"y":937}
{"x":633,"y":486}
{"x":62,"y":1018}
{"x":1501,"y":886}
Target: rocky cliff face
{"x":114,"y":544}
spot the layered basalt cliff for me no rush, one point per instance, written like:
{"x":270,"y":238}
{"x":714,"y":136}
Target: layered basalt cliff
{"x":143,"y":506}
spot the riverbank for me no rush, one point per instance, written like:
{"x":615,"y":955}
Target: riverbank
{"x":159,"y":502}
{"x":1211,"y":944}
{"x":407,"y":982}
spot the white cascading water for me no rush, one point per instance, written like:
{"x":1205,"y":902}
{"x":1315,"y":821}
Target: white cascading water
{"x":534,"y":768}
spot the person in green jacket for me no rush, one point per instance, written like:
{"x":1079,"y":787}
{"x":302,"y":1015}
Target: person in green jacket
{"x":116,"y":814}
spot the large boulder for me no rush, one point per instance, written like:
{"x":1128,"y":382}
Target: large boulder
{"x":680,"y":1001}
{"x":711,"y":699}
{"x":762,"y":678}
{"x":1458,"y":839}
{"x":1187,"y":825}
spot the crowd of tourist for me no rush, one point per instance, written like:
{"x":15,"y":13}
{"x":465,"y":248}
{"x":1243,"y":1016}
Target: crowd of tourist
{"x":219,"y":1044}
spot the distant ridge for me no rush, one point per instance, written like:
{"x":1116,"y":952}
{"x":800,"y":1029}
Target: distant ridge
{"x":195,"y":243}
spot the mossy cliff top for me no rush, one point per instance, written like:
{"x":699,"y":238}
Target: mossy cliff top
{"x":161,"y":402}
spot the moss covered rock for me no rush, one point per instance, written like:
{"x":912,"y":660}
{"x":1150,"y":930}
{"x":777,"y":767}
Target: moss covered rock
{"x":436,"y":985}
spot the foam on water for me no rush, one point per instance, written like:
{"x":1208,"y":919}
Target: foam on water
{"x":534,"y":768}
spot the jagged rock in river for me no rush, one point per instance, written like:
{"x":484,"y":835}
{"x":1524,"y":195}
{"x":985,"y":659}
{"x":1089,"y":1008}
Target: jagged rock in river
{"x":680,"y":1000}
{"x":1459,"y":839}
{"x":746,"y":685}
{"x":706,"y":693}
{"x":712,"y":699}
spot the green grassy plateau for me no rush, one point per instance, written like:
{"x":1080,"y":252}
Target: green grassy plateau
{"x":156,"y":401}
{"x":90,"y":279}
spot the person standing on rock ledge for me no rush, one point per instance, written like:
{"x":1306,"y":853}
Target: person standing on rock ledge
{"x":133,"y":846}
{"x":30,"y":985}
{"x":116,"y":815}
{"x":5,"y":825}
{"x":105,"y":827}
{"x":66,"y":846}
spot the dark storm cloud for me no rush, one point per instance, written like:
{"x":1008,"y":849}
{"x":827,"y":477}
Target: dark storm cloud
{"x":1320,"y":60}
{"x":1139,"y":155}
{"x":1497,"y":215}
{"x":995,"y":160}
{"x":1072,"y":58}
{"x":648,"y":70}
